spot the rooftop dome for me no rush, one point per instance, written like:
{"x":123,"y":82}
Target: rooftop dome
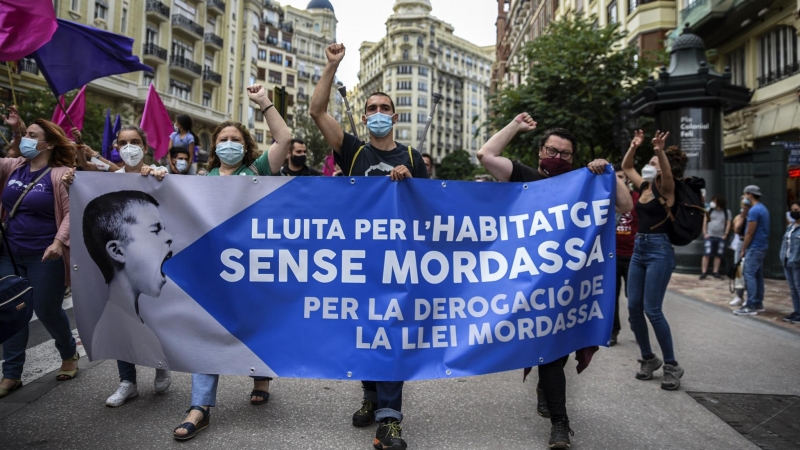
{"x":319,"y":4}
{"x":688,"y":40}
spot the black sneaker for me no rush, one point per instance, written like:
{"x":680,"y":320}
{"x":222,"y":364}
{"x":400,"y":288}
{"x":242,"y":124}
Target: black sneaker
{"x":703,"y":276}
{"x":716,"y":276}
{"x":389,"y":436}
{"x":364,"y":416}
{"x":613,"y":341}
{"x":790,"y":317}
{"x":541,"y":403}
{"x":559,"y":435}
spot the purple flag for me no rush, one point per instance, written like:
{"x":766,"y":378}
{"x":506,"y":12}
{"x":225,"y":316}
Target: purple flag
{"x":25,"y":25}
{"x":78,"y":54}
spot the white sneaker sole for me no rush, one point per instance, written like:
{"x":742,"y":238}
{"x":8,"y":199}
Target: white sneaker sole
{"x":113,"y":404}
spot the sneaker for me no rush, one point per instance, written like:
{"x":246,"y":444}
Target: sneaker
{"x":162,"y":381}
{"x":125,"y":391}
{"x":559,"y":435}
{"x":672,"y":377}
{"x":796,"y":319}
{"x":613,"y":341}
{"x":648,"y":366}
{"x":789,"y":317}
{"x":364,"y":416}
{"x":760,"y":307}
{"x":737,"y":301}
{"x":68,"y":292}
{"x":541,"y":403}
{"x":746,"y":311}
{"x":703,"y":276}
{"x":716,"y":276}
{"x":389,"y":436}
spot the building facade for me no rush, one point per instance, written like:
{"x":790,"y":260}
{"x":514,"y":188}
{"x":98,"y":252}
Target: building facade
{"x":420,"y":56}
{"x":647,"y":23}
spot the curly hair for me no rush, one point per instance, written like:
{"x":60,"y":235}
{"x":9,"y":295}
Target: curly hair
{"x":677,"y":161}
{"x":63,"y":154}
{"x":250,"y":146}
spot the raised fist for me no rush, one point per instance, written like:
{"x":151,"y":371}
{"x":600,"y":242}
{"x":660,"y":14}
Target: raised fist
{"x":335,"y":53}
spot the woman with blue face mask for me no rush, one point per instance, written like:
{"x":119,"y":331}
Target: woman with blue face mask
{"x":235,"y":153}
{"x":38,"y":235}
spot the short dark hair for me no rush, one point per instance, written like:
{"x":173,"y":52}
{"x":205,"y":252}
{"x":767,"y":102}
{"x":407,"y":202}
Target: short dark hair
{"x":721,"y":202}
{"x":106,"y":218}
{"x":563,"y":134}
{"x":381,"y":94}
{"x":296,"y":141}
{"x":173,"y":153}
{"x":426,"y":155}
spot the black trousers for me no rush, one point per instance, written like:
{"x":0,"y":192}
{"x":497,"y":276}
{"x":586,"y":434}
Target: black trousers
{"x":554,"y":384}
{"x":623,"y":265}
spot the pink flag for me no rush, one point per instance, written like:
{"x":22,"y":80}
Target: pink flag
{"x":25,"y":25}
{"x":76,"y":112}
{"x":329,"y":166}
{"x":156,"y":123}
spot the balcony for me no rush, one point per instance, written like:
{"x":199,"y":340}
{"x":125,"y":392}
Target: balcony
{"x":157,"y":10}
{"x":154,"y":53}
{"x":187,"y":26}
{"x":272,"y":40}
{"x":210,"y":77}
{"x":633,"y":4}
{"x":718,"y":21}
{"x":302,"y":74}
{"x":185,"y":66}
{"x":778,"y":75}
{"x":212,"y":41}
{"x":28,"y":65}
{"x":315,"y":79}
{"x":217,"y":6}
{"x":302,"y":97}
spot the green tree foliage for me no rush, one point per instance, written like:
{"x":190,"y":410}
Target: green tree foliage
{"x":40,"y":104}
{"x":308,"y":131}
{"x":574,"y":77}
{"x":455,"y":166}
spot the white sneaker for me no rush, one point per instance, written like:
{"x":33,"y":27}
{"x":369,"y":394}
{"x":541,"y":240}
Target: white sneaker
{"x":737,"y":301}
{"x":162,"y":381}
{"x":126,"y":390}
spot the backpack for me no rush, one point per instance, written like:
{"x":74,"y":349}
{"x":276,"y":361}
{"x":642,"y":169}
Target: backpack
{"x":687,"y":213}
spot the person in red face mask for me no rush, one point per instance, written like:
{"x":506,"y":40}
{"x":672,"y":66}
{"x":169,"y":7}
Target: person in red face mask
{"x":556,"y":153}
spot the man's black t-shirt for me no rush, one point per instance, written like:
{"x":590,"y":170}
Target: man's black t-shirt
{"x":523,"y":173}
{"x":304,"y":172}
{"x":372,"y":162}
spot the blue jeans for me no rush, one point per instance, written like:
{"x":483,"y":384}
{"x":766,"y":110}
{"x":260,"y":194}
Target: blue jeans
{"x":651,"y":268}
{"x":754,"y":276}
{"x":204,"y":388}
{"x":47,"y":280}
{"x":127,"y":371}
{"x":387,"y":396}
{"x":793,"y":277}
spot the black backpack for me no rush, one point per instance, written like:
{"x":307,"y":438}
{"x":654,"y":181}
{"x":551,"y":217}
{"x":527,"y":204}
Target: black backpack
{"x":687,"y":213}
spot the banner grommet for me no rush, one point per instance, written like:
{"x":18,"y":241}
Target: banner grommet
{"x":349,"y":374}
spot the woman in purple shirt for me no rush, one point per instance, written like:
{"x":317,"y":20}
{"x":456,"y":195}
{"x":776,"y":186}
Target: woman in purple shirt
{"x":38,"y":235}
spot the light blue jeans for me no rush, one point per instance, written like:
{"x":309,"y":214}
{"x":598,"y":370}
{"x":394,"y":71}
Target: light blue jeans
{"x":651,"y":268}
{"x":793,"y":277}
{"x":204,"y":388}
{"x":754,"y":276}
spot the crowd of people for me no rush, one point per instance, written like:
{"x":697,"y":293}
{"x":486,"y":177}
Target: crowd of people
{"x":37,"y":226}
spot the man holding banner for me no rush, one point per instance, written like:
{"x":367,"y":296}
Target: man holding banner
{"x":381,"y":156}
{"x":556,"y":149}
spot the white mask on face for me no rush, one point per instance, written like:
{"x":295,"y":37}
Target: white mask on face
{"x":712,"y":205}
{"x":131,"y":155}
{"x":649,"y":172}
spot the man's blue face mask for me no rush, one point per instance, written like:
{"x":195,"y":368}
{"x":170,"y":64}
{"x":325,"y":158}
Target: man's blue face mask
{"x":379,"y":124}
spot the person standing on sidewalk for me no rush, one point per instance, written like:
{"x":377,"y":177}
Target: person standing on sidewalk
{"x":381,"y":156}
{"x":790,"y":257}
{"x":653,"y":257}
{"x":739,"y":227}
{"x":627,"y":227}
{"x":556,"y":155}
{"x":754,"y":249}
{"x":716,"y":228}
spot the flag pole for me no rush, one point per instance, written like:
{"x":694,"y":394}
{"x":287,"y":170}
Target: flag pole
{"x":11,"y":82}
{"x":69,"y":119}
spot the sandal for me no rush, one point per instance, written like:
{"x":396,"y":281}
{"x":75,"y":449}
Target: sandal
{"x":66,"y":375}
{"x":264,"y":397}
{"x":191,"y":428}
{"x":6,"y":391}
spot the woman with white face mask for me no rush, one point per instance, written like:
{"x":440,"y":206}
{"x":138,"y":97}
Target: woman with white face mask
{"x":653,"y":256}
{"x":132,"y":142}
{"x":235,"y":152}
{"x":38,"y":233}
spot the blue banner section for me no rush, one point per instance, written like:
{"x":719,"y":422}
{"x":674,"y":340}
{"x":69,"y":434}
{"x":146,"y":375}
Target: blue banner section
{"x":365,"y":278}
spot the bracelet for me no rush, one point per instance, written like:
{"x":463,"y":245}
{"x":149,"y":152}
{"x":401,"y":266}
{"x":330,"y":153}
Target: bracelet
{"x":264,"y":111}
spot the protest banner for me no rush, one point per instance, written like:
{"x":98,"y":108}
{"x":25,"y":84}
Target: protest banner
{"x":342,"y":277}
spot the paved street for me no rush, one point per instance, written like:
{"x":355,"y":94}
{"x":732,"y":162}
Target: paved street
{"x":608,"y":407}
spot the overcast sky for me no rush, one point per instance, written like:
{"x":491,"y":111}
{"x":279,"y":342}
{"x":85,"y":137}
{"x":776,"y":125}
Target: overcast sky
{"x":365,"y":20}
